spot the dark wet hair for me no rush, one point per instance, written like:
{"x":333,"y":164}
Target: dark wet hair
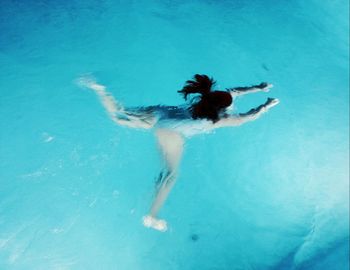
{"x":210,"y":103}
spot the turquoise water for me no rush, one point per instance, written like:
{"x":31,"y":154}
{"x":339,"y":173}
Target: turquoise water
{"x":271,"y":194}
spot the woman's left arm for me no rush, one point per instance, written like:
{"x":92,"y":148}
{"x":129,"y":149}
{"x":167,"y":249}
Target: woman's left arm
{"x":253,"y":114}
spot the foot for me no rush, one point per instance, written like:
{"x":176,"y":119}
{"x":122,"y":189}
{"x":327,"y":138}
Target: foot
{"x":157,"y":224}
{"x":264,"y":86}
{"x":89,"y":82}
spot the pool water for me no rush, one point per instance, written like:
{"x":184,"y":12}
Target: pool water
{"x":270,"y":194}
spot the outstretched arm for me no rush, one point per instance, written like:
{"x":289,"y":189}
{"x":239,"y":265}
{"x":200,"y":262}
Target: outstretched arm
{"x":253,"y":114}
{"x":239,"y":91}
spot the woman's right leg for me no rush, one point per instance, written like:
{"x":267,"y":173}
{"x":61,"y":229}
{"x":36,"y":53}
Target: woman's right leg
{"x":135,"y":118}
{"x":171,"y":145}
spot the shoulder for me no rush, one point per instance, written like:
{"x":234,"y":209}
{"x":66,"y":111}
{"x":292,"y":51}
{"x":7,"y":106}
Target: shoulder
{"x":227,"y":121}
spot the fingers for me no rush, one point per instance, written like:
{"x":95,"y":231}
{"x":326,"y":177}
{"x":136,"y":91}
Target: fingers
{"x":267,"y":87}
{"x":272,"y":102}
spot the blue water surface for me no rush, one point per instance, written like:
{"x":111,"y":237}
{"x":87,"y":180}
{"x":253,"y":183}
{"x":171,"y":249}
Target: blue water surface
{"x":270,"y":194}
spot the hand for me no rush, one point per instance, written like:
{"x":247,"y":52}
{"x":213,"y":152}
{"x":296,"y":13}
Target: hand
{"x":264,"y":86}
{"x":271,"y":102}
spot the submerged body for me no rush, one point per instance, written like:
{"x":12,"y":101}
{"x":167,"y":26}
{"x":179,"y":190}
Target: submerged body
{"x":171,"y":125}
{"x":176,"y":118}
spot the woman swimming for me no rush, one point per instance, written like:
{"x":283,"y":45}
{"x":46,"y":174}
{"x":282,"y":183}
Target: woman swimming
{"x":208,"y":110}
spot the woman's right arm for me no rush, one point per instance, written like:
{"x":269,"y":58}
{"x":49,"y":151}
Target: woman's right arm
{"x":253,"y":114}
{"x":239,"y":91}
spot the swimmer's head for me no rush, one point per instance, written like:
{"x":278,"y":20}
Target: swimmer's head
{"x":201,"y":84}
{"x":219,"y":99}
{"x":211,"y":103}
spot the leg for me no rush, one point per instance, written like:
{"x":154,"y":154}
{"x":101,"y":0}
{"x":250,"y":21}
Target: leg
{"x":171,"y":145}
{"x":239,"y":91}
{"x":253,"y":114}
{"x":135,"y":118}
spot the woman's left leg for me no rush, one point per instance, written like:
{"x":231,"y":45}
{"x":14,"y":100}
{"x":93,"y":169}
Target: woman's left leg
{"x":135,"y":118}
